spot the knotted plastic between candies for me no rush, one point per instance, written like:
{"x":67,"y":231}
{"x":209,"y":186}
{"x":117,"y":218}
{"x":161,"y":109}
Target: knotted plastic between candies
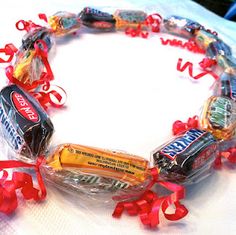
{"x":196,"y":148}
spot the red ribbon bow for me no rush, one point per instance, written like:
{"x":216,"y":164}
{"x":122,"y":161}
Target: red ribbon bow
{"x":189,"y":65}
{"x":229,"y":154}
{"x":44,"y":96}
{"x":148,"y":206}
{"x":207,"y":63}
{"x":26,"y":25}
{"x":9,"y":50}
{"x":20,"y":180}
{"x":180,"y":127}
{"x":41,"y":50}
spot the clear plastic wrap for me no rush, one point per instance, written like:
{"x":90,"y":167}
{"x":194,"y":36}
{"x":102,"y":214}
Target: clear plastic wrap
{"x":24,"y":123}
{"x":29,"y":66}
{"x":226,"y":84}
{"x":219,"y":117}
{"x":97,"y":173}
{"x":64,"y":23}
{"x":94,"y":18}
{"x":187,"y":158}
{"x":181,"y":26}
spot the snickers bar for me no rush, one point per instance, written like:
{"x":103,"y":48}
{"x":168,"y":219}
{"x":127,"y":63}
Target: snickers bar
{"x":187,"y":157}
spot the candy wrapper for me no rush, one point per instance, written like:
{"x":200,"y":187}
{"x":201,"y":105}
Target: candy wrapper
{"x":64,"y":23}
{"x":31,"y":64}
{"x":24,"y":123}
{"x":219,"y":117}
{"x":94,"y":171}
{"x":188,"y":158}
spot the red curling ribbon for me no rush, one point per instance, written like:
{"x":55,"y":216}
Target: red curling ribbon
{"x":41,"y":50}
{"x":43,"y":54}
{"x":207,"y":63}
{"x":44,"y":96}
{"x":210,"y":31}
{"x":20,"y":181}
{"x":10,"y":51}
{"x":190,"y":45}
{"x":229,"y":155}
{"x":152,"y":21}
{"x":149,"y":204}
{"x":189,"y":65}
{"x":22,"y":25}
{"x":180,"y":127}
{"x":43,"y":17}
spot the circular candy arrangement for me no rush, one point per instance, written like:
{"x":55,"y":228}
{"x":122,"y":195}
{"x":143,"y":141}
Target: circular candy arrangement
{"x":197,"y":146}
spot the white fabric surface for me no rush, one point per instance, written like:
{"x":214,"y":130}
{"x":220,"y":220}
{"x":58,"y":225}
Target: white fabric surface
{"x":123,"y":93}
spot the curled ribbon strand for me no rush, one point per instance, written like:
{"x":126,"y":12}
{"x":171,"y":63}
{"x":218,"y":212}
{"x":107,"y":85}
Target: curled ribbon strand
{"x":41,"y":50}
{"x":180,"y":127}
{"x":20,"y":180}
{"x":10,"y":51}
{"x":22,"y":25}
{"x":149,"y":204}
{"x":190,"y":45}
{"x":44,"y":96}
{"x":207,"y":63}
{"x":153,"y":21}
{"x":189,"y":65}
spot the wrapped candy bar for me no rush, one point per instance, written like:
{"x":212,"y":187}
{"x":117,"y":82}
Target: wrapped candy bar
{"x":24,"y":123}
{"x":127,"y":18}
{"x":219,"y":117}
{"x":31,"y":63}
{"x":64,"y":23}
{"x":226,"y":85}
{"x":181,"y":26}
{"x":92,"y":170}
{"x":187,"y":158}
{"x":218,"y":48}
{"x":93,"y":18}
{"x":204,"y":38}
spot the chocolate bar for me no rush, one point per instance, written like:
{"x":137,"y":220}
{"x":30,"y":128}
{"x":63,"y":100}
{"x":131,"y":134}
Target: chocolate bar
{"x":185,"y":158}
{"x":181,"y":26}
{"x":24,"y":123}
{"x":97,"y":19}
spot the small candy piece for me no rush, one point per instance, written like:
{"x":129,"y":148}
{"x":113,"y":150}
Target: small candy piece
{"x":24,"y":124}
{"x":187,"y":158}
{"x":129,"y":169}
{"x":219,"y":117}
{"x":129,"y":18}
{"x":226,"y":85}
{"x":28,"y":67}
{"x":204,"y":38}
{"x":226,"y":62}
{"x":218,"y":48}
{"x":33,"y":35}
{"x":74,"y":180}
{"x":97,"y":19}
{"x":180,"y":26}
{"x":63,"y":23}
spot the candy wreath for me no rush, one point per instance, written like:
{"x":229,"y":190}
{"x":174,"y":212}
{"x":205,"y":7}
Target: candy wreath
{"x":128,"y":179}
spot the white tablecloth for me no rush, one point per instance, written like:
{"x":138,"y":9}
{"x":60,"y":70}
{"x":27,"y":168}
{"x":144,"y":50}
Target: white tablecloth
{"x":123,"y":93}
